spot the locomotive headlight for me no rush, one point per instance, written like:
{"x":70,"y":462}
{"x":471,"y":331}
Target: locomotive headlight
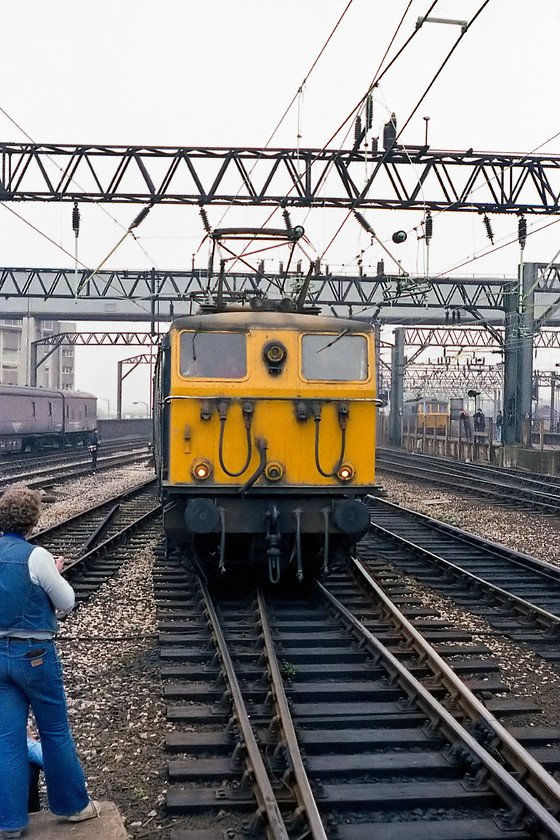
{"x":345,"y":472}
{"x":201,"y":469}
{"x":274,"y":471}
{"x":274,"y":352}
{"x":274,"y":355}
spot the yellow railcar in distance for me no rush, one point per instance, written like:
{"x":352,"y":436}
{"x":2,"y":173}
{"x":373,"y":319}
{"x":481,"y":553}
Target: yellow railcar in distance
{"x":265,"y":436}
{"x":430,"y":413}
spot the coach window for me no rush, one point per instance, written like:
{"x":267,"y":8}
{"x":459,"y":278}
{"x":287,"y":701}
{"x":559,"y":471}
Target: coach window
{"x":33,"y":409}
{"x":213,"y":355}
{"x":342,"y":358}
{"x":50,"y":409}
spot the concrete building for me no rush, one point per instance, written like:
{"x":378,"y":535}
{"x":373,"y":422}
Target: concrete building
{"x":16,"y":336}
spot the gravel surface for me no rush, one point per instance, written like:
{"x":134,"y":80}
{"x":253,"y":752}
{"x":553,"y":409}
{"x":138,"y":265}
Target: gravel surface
{"x":108,"y":647}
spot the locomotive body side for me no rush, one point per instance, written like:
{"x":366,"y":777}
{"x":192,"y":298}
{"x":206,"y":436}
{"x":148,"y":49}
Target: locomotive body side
{"x":265,"y":429}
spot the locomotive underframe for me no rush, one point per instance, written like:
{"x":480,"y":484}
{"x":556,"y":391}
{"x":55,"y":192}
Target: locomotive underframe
{"x":305,"y":531}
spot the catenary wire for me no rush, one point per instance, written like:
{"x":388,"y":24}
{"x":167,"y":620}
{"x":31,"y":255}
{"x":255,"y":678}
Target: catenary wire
{"x":295,"y":96}
{"x":359,"y":104}
{"x":383,"y":159}
{"x":101,"y":207}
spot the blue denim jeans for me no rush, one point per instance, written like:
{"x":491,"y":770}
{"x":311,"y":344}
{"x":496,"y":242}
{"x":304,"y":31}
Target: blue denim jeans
{"x":37,"y":682}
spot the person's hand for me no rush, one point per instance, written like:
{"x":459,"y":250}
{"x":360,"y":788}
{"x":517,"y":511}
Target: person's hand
{"x":59,"y":563}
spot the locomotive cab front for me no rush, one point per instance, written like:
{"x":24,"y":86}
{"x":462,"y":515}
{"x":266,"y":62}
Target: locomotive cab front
{"x":264,"y":437}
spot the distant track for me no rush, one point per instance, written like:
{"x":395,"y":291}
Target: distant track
{"x":98,"y":540}
{"x":42,"y":472}
{"x":515,"y":487}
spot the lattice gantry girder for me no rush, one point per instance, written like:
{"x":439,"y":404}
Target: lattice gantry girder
{"x":405,"y":178}
{"x":451,"y":381}
{"x":458,"y":337}
{"x":45,"y":283}
{"x":101,"y":339}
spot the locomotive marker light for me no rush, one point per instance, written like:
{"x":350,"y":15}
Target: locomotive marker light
{"x":201,"y":469}
{"x":345,"y":472}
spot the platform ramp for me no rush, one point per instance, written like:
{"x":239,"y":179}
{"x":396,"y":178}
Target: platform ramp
{"x":108,"y":825}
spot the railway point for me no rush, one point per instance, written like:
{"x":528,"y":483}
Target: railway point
{"x":46,"y":826}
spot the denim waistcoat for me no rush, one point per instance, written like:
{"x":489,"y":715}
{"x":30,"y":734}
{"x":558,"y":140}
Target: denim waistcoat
{"x":24,"y":606}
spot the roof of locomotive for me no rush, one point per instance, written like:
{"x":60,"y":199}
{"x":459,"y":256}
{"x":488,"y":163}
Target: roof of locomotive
{"x":243,"y":318}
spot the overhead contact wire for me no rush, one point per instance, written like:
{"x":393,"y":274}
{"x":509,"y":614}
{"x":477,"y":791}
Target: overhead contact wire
{"x":373,"y":83}
{"x":294,"y":98}
{"x":98,"y":204}
{"x":387,"y":152}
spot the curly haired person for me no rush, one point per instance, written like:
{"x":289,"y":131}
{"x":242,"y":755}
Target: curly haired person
{"x":31,"y":588}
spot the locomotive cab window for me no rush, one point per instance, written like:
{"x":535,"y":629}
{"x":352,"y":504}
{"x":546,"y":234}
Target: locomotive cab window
{"x":342,"y":358}
{"x":213,"y":355}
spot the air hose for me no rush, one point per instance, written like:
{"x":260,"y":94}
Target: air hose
{"x":261,"y":445}
{"x":342,"y":422}
{"x":247,"y":419}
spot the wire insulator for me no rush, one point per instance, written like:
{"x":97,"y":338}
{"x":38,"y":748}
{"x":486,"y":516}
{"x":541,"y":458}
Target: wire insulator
{"x":357,"y":129}
{"x":369,"y":111}
{"x":522,"y":231}
{"x":76,"y":219}
{"x":429,"y":228}
{"x":287,"y":220}
{"x":488,"y":226}
{"x":205,"y":222}
{"x":140,"y":217}
{"x":366,"y":226}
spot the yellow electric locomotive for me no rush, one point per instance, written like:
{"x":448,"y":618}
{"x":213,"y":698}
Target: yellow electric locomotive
{"x":265,"y":436}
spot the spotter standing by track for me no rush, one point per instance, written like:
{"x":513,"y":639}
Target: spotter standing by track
{"x":31,"y":587}
{"x":93,"y":448}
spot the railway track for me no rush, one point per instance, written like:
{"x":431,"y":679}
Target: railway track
{"x":517,"y":594}
{"x":41,"y":472}
{"x":331,"y":715}
{"x":511,"y":486}
{"x":98,"y":540}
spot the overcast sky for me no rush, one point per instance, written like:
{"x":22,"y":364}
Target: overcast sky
{"x":221,"y":73}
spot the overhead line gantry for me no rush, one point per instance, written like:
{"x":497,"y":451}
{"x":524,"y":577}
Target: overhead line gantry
{"x":403,"y":177}
{"x":399,"y":177}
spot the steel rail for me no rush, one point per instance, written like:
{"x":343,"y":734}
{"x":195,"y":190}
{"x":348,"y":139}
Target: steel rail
{"x":508,"y":476}
{"x":110,"y":541}
{"x":266,"y":800}
{"x":502,"y":551}
{"x":503,"y":782}
{"x":75,"y":518}
{"x":302,"y":792}
{"x":502,"y":595}
{"x":515,"y":753}
{"x":73,"y":470}
{"x":460,"y":481}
